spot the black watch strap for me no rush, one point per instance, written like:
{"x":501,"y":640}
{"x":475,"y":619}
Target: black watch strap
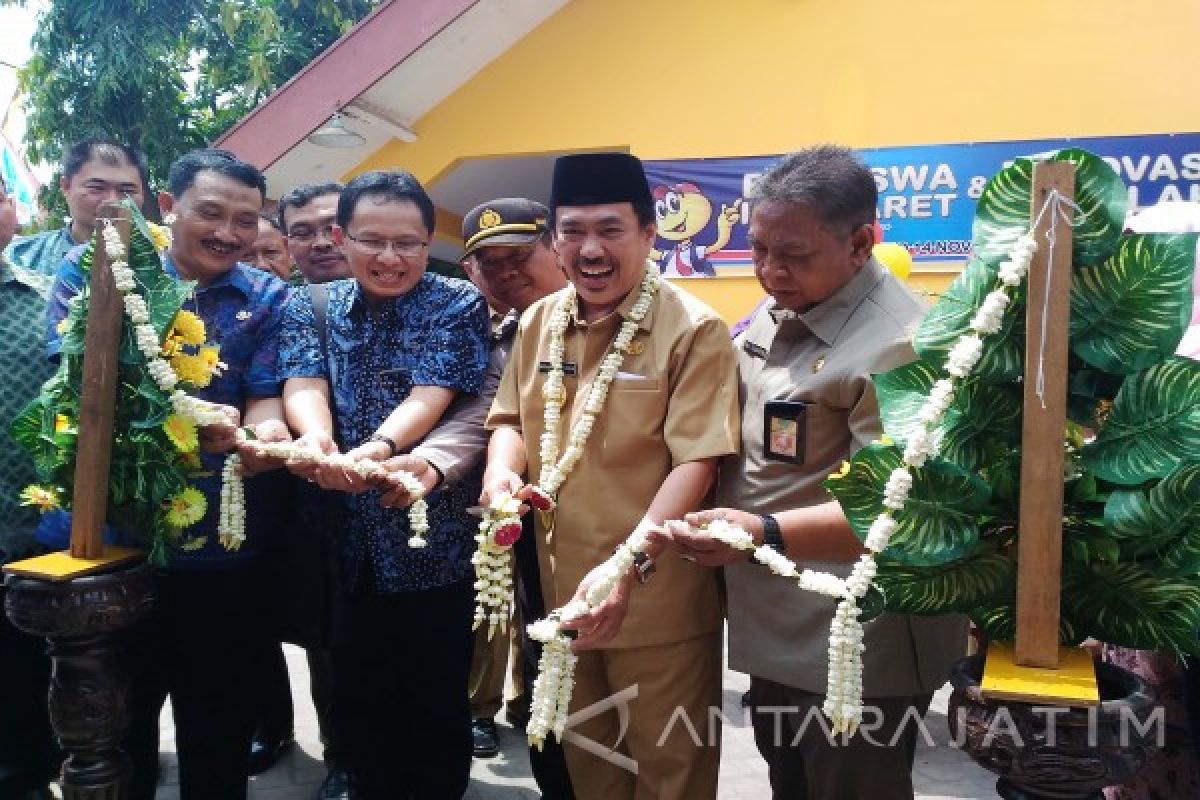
{"x":772,"y":535}
{"x":390,"y":442}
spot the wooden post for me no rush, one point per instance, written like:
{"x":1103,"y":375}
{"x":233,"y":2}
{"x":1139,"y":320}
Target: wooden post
{"x":1047,"y":317}
{"x":98,"y":395}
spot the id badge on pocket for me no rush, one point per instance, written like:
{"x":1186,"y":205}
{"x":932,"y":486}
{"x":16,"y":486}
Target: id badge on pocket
{"x":784,"y":429}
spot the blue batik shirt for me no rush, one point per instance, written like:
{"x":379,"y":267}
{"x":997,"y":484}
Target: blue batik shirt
{"x":241,"y":310}
{"x":42,"y":252}
{"x":435,"y":335}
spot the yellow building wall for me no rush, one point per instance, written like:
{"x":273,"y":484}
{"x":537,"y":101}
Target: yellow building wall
{"x":710,"y":78}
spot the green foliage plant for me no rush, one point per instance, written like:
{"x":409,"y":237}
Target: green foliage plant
{"x":155,"y":454}
{"x":1131,"y":510}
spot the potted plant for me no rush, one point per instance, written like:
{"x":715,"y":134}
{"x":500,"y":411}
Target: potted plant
{"x":1131,"y":508}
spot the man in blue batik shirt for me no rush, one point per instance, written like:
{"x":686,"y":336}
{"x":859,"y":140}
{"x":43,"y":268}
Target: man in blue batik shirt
{"x":206,"y":630}
{"x":402,"y":343}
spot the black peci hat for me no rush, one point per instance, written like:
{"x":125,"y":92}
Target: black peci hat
{"x":589,"y":179}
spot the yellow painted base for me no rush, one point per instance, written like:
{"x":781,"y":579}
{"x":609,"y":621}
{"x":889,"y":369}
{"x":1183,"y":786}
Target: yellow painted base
{"x":62,"y":566}
{"x":1072,"y":684}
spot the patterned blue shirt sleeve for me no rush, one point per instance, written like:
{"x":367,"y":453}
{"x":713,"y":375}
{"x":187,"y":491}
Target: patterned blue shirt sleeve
{"x":299,"y":347}
{"x":68,"y":283}
{"x":262,"y":376}
{"x":457,"y":355}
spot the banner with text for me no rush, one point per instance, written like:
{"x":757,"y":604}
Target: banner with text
{"x":927,"y":194}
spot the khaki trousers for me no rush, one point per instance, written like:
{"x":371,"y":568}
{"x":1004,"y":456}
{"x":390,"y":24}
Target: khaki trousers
{"x":670,"y":730}
{"x":491,"y":662}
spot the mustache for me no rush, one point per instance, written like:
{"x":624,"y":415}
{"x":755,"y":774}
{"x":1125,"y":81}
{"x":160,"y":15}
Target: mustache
{"x":594,"y":262}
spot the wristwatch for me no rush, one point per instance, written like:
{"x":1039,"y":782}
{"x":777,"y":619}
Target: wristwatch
{"x":772,"y":535}
{"x":643,"y":566}
{"x":390,"y":442}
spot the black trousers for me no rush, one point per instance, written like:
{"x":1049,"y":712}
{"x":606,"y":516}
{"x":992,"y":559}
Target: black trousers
{"x":549,"y":765}
{"x":804,"y":763}
{"x":276,"y":716}
{"x":200,"y":647}
{"x":28,"y":752}
{"x":401,"y":691}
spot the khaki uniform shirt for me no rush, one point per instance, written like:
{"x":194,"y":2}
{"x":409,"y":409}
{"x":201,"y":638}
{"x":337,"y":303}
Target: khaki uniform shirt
{"x":824,"y":358}
{"x":673,"y":401}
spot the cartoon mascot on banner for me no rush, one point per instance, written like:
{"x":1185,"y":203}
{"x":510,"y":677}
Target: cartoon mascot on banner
{"x":682,"y":212}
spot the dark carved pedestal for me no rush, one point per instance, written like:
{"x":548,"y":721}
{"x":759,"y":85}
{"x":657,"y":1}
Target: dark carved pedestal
{"x":89,"y":684}
{"x":1042,"y":753}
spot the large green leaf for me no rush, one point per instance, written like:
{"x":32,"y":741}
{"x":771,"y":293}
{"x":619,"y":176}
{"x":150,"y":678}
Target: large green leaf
{"x":1164,"y":521}
{"x":978,"y":416}
{"x":938,"y":523}
{"x":1153,"y":427}
{"x":1129,"y":312}
{"x":961,"y":585}
{"x":998,"y":620}
{"x":1003,"y":212}
{"x":1126,"y":605}
{"x":951,"y":317}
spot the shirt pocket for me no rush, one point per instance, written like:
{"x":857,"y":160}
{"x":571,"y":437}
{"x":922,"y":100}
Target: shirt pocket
{"x":827,"y":437}
{"x":634,"y":414}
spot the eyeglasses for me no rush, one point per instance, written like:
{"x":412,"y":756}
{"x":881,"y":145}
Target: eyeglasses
{"x":516,"y":259}
{"x":305,"y":234}
{"x":406,"y":248}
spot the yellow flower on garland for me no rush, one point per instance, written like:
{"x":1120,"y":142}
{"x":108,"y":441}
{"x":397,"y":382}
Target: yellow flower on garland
{"x":182,"y":433}
{"x":189,"y":327}
{"x":186,"y":508}
{"x":210,"y":354}
{"x":62,"y":423}
{"x":172,"y":346}
{"x":160,"y":235}
{"x":44,"y":497}
{"x":192,"y":369}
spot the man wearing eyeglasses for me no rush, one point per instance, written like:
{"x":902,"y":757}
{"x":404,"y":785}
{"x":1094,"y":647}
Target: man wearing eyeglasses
{"x":402,"y":343}
{"x":306,"y":217}
{"x":94,"y":172}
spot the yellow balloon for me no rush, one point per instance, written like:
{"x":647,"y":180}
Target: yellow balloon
{"x":895,"y":257}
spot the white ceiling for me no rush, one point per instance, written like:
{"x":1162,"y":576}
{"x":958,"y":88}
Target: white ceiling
{"x":427,"y":77}
{"x":478,"y":180}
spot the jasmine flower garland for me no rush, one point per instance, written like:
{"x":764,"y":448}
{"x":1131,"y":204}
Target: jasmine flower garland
{"x":555,"y":469}
{"x":548,"y":709}
{"x":418,"y":512}
{"x":498,"y":531}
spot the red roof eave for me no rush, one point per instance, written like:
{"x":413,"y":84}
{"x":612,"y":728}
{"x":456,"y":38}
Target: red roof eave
{"x":346,"y":69}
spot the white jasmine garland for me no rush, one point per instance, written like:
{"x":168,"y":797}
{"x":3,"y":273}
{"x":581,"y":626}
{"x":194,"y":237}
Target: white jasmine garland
{"x":895,"y":493}
{"x":881,"y":531}
{"x":498,"y":529}
{"x":556,"y":668}
{"x":418,"y":512}
{"x":231,"y":518}
{"x":964,"y":355}
{"x":555,"y":469}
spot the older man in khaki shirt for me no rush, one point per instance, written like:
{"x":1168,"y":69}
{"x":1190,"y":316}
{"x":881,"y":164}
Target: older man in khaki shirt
{"x":651,"y":456}
{"x":804,"y":367}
